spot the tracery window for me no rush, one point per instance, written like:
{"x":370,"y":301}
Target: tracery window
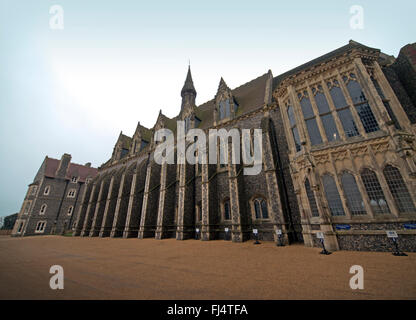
{"x":354,"y":200}
{"x":325,"y":114}
{"x":361,"y":103}
{"x":260,"y":208}
{"x":398,"y":189}
{"x":310,"y":118}
{"x":293,"y":127}
{"x":375,"y":193}
{"x":332,"y":196}
{"x":343,"y":110}
{"x":311,"y":199}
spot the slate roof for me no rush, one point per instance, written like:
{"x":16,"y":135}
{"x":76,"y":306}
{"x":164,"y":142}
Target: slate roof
{"x":249,"y":97}
{"x":74,"y":170}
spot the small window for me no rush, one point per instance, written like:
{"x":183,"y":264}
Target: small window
{"x":71,"y":193}
{"x":74,"y":179}
{"x":70,"y":210}
{"x":20,"y":228}
{"x":40,"y":227}
{"x":227,"y":210}
{"x":34,"y":189}
{"x":47,"y":190}
{"x":260,"y":208}
{"x":43,"y":209}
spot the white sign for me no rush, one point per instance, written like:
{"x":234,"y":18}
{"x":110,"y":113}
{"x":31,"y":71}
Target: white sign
{"x":255,"y":231}
{"x":320,"y":235}
{"x":392,"y":234}
{"x":197,"y":230}
{"x":226,"y":229}
{"x":279,"y":231}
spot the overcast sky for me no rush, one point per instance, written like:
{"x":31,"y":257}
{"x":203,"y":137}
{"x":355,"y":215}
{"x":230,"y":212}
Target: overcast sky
{"x":119,"y":62}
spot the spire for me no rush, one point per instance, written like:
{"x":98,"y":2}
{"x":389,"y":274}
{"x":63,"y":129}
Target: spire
{"x":188,"y":87}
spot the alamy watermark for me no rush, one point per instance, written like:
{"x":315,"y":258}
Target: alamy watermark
{"x":250,"y":152}
{"x":56,"y":21}
{"x":357,"y":18}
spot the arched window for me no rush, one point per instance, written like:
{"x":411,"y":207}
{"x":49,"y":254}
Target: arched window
{"x":361,"y":104}
{"x":311,"y":199}
{"x":310,"y":119}
{"x":325,"y":114}
{"x":375,"y":193}
{"x":343,"y":111}
{"x":43,"y":209}
{"x":293,"y":127}
{"x":226,"y":209}
{"x":71,"y":193}
{"x":47,"y":190}
{"x":332,"y":196}
{"x":398,"y":189}
{"x":224,"y":108}
{"x":70,"y":210}
{"x":354,"y":200}
{"x":260,"y":208}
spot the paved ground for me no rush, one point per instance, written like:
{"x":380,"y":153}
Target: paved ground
{"x":96,"y":268}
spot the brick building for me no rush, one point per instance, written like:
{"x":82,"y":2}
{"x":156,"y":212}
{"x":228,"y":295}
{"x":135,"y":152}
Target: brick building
{"x":53,"y":197}
{"x":338,"y":137}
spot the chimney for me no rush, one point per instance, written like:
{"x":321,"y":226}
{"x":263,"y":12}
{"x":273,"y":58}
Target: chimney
{"x":63,"y":165}
{"x":88,"y":165}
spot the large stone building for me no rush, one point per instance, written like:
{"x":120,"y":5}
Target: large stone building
{"x":338,"y":137}
{"x":53,"y":197}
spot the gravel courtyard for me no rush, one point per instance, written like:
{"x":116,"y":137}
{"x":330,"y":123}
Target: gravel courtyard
{"x":104,"y":268}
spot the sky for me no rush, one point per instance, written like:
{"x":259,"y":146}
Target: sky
{"x":115,"y":63}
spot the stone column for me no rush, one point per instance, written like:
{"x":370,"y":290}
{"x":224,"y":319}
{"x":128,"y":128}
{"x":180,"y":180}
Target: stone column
{"x":81,"y":211}
{"x":90,"y":210}
{"x":150,"y":201}
{"x":186,"y":202}
{"x":134,"y":210}
{"x":95,"y":227}
{"x":109,"y":210}
{"x":208,"y":201}
{"x":118,"y":205}
{"x":273,"y":193}
{"x":166,"y":209}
